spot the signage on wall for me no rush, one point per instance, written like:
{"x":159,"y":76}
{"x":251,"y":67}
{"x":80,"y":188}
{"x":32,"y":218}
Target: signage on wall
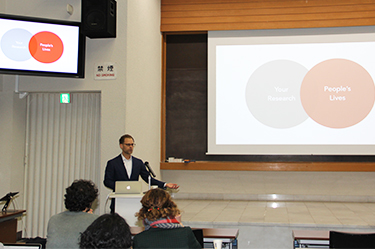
{"x":64,"y":98}
{"x":105,"y":71}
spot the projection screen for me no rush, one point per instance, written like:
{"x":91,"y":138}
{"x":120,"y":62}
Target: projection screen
{"x":291,"y":92}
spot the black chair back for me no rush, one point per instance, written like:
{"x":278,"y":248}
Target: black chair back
{"x":199,"y":236}
{"x":351,"y":240}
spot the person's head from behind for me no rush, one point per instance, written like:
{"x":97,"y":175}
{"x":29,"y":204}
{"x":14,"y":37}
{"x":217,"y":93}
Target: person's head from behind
{"x":80,"y":195}
{"x":107,"y":231}
{"x":157,"y":203}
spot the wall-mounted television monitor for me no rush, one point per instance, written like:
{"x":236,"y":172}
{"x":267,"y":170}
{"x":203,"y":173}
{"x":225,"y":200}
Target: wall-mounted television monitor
{"x":41,"y":47}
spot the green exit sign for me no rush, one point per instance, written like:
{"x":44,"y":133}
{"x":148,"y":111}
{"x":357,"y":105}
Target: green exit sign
{"x":64,"y":98}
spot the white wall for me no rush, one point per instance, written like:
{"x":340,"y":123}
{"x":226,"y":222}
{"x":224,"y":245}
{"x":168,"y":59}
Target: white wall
{"x":144,"y":79}
{"x":130,"y":104}
{"x":12,"y":137}
{"x":271,"y":185}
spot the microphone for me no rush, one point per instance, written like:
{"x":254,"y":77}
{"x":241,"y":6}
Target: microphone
{"x":149,"y":169}
{"x":8,"y":196}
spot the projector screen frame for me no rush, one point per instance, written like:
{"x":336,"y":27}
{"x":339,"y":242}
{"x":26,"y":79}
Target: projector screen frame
{"x":275,"y":37}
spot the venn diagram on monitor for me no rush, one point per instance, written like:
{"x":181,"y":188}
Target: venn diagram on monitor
{"x":335,"y":93}
{"x":20,"y":45}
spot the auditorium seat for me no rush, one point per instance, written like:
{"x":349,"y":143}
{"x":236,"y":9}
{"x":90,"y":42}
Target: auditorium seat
{"x":351,"y":240}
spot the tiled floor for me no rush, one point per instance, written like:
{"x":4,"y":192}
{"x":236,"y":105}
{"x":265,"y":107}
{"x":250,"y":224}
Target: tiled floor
{"x":313,"y":213}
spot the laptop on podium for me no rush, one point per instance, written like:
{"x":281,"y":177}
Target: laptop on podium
{"x":128,"y":187}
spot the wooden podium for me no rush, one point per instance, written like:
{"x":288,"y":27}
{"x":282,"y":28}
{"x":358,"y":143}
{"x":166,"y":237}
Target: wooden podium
{"x":127,"y":205}
{"x":8,"y":225}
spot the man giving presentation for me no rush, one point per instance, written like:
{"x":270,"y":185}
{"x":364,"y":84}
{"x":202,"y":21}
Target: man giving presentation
{"x":126,"y":167}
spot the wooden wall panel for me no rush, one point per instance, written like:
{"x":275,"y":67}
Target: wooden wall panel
{"x":204,"y":15}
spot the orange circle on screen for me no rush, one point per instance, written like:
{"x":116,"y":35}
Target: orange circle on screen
{"x":46,"y":47}
{"x":337,"y":93}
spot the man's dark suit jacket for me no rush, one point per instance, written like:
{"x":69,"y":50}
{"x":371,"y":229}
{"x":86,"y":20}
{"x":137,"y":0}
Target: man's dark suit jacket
{"x":116,"y":171}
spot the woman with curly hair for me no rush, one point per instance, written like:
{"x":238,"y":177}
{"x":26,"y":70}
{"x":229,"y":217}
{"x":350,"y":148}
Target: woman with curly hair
{"x":162,"y":229}
{"x":64,"y":228}
{"x":108,"y":231}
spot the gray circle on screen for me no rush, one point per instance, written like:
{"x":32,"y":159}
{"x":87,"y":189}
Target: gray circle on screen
{"x":15,"y":44}
{"x":273,"y":94}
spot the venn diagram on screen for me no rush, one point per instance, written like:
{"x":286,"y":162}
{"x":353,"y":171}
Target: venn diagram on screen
{"x":335,"y":93}
{"x":21,"y":45}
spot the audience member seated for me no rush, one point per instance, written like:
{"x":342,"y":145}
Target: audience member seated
{"x":107,"y":231}
{"x":162,"y":229}
{"x":64,"y":228}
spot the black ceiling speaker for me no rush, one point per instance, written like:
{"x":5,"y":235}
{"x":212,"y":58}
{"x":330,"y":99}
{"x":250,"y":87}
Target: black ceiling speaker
{"x":99,"y":18}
